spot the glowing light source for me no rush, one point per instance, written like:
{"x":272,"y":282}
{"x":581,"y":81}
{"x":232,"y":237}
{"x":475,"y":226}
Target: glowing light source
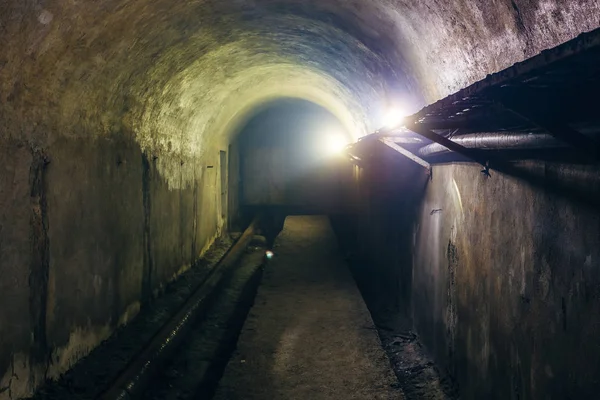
{"x":269,"y":254}
{"x":394,"y":118}
{"x":335,"y":143}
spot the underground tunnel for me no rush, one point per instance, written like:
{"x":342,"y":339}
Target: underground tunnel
{"x":433,"y":164}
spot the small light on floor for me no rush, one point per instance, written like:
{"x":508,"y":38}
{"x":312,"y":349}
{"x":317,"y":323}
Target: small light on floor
{"x":269,"y":254}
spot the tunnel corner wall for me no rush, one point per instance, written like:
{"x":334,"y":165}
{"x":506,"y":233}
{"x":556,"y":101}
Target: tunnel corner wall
{"x":378,"y":233}
{"x":506,"y":278}
{"x":499,"y":275}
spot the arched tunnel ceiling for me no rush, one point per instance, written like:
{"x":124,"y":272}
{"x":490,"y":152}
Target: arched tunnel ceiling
{"x":179,"y":76}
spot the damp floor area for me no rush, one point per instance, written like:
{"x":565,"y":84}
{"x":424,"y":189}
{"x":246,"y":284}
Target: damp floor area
{"x":309,"y":334}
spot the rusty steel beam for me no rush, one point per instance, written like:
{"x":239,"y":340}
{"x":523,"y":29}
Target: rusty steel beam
{"x":391,"y":144}
{"x":449,"y":144}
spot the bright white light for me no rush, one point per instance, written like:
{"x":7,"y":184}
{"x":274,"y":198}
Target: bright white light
{"x":269,"y":254}
{"x":393,"y":118}
{"x":335,"y":143}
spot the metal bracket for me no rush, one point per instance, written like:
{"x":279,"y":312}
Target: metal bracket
{"x":486,"y":170}
{"x":391,"y":144}
{"x":473,"y":154}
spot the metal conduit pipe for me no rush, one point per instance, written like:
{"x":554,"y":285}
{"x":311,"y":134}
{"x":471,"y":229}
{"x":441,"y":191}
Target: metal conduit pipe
{"x":132,"y":382}
{"x":496,"y":141}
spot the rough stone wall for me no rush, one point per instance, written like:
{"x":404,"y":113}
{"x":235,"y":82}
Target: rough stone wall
{"x":506,"y":281}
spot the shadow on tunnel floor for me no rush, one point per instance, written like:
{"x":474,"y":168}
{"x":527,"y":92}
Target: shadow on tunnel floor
{"x":418,"y":376}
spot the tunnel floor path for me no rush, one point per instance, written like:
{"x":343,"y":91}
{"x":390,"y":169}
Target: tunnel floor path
{"x":309,"y":334}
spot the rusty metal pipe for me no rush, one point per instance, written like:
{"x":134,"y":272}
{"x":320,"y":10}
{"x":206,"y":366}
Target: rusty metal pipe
{"x":496,"y":141}
{"x":132,"y":381}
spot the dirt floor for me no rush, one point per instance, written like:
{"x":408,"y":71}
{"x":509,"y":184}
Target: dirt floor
{"x":417,"y":375}
{"x":309,"y":334}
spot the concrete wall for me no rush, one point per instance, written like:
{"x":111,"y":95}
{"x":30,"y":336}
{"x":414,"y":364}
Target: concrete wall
{"x":89,"y":230}
{"x":507,"y":277}
{"x":275,"y":176}
{"x":21,"y":219}
{"x":386,"y":196}
{"x":501,"y":274}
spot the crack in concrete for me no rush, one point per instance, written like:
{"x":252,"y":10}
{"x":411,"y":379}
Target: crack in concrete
{"x":40,"y":264}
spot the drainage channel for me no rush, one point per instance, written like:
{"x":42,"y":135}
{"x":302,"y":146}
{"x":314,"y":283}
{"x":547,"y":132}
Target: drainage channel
{"x":201,"y":313}
{"x":141,"y":372}
{"x":195,"y":370}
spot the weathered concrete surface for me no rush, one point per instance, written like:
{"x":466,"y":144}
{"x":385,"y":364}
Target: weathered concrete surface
{"x":169,"y":84}
{"x":455,"y":43}
{"x":165,"y":73}
{"x":386,"y":195}
{"x":88,"y":233}
{"x":17,"y":259}
{"x":507,"y":277}
{"x":184,"y":222}
{"x":96,"y":244}
{"x":309,"y":334}
{"x":503,"y":284}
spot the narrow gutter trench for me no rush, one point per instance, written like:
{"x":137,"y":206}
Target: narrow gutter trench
{"x":195,"y":370}
{"x":90,"y":376}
